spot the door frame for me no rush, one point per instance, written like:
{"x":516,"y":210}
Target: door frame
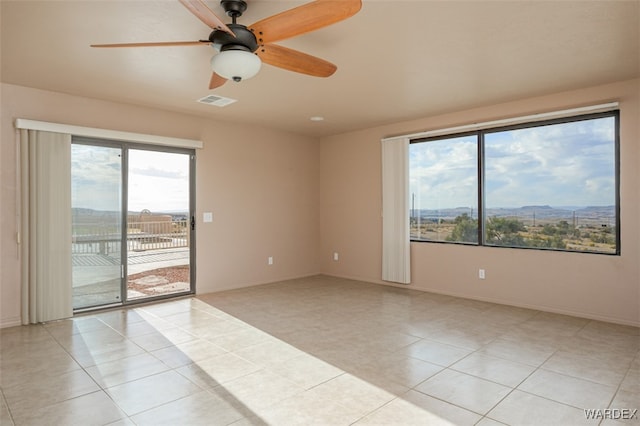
{"x":125,"y":148}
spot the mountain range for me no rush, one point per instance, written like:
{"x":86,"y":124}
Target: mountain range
{"x":603,"y":214}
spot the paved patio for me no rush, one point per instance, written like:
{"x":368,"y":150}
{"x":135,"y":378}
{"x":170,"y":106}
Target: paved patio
{"x":96,"y":277}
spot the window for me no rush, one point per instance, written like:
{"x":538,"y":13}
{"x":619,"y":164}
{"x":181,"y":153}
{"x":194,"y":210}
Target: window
{"x":444,"y":189}
{"x":547,"y":185}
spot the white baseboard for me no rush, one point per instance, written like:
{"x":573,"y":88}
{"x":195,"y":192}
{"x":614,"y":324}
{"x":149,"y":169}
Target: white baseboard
{"x":256,"y":283}
{"x":551,"y":309}
{"x":10,"y":322}
{"x":543,"y":308}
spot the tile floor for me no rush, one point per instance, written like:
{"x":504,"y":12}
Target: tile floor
{"x":320,"y":351}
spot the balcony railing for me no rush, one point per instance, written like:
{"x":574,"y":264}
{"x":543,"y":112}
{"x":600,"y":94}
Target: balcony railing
{"x":141,"y":235}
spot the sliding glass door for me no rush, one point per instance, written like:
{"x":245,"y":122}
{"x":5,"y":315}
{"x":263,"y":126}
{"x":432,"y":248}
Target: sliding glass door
{"x":146,"y":252}
{"x":96,"y":206}
{"x":158,"y":224}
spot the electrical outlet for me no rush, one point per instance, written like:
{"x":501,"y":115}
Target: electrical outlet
{"x":481,"y":274}
{"x":270,"y":260}
{"x":335,"y":256}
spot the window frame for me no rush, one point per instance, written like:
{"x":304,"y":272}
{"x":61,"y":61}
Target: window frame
{"x":481,"y":190}
{"x":478,"y":165}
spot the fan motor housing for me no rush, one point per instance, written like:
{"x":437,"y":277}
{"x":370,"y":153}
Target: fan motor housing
{"x":234,"y":8}
{"x":244,"y":39}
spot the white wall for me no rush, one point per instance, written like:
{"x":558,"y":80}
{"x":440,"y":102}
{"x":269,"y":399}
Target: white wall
{"x":595,"y":286}
{"x":316,"y":198}
{"x":261,"y":185}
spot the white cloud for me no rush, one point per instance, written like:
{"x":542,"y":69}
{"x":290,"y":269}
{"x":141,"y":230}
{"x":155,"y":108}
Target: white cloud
{"x":444,"y":173}
{"x":568,"y":164}
{"x":158,"y":181}
{"x":95,"y":177}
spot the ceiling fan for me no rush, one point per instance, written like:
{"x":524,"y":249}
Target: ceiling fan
{"x":242,"y":49}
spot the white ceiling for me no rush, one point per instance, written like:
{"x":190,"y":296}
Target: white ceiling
{"x":397,"y":60}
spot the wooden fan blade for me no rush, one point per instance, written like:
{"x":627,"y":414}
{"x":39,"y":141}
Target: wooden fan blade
{"x":206,"y":15}
{"x":303,"y":19}
{"x":216,"y":81}
{"x":293,"y":60}
{"x":155,"y":44}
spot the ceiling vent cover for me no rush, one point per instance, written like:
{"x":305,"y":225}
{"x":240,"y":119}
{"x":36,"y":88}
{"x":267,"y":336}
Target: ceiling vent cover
{"x":215,"y":100}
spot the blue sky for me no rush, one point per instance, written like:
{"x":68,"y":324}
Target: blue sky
{"x":570,"y":164}
{"x":443,"y":173}
{"x":158,"y":181}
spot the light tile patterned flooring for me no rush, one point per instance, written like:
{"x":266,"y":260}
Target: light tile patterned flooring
{"x":323,"y":351}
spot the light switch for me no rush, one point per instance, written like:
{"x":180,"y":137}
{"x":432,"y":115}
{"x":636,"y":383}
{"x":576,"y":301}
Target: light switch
{"x":207,"y":217}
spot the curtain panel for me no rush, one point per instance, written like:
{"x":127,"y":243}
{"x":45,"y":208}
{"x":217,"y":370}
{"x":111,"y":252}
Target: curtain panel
{"x":396,"y":265}
{"x":45,"y":212}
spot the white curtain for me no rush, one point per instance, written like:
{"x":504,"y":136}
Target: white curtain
{"x":45,"y":211}
{"x":396,"y":265}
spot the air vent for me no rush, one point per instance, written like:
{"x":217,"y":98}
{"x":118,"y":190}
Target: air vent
{"x":218,"y":101}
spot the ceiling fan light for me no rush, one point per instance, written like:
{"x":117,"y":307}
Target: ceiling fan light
{"x":236,"y":65}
